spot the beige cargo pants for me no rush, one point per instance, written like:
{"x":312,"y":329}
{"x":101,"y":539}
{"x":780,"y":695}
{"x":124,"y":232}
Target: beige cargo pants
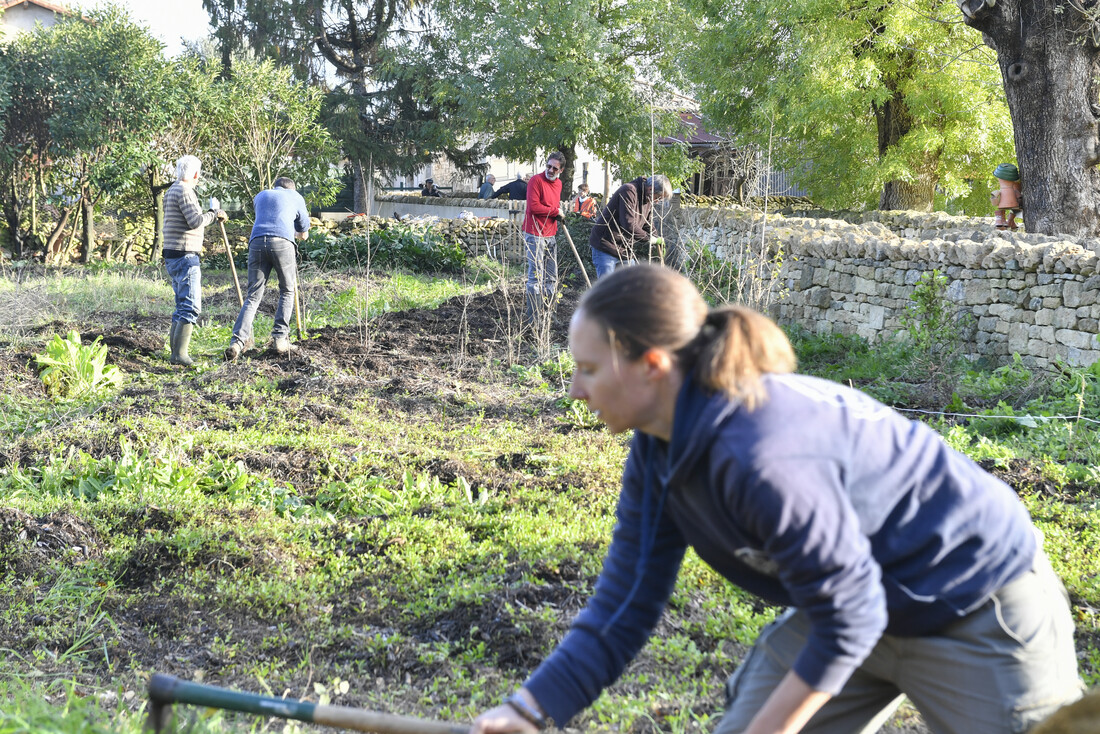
{"x":1001,"y":669}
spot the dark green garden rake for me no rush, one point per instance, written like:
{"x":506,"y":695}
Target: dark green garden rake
{"x":165,"y":690}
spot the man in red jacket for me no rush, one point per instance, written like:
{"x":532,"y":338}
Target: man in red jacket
{"x":540,"y":227}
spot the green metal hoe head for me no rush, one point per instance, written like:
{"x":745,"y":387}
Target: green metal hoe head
{"x":160,"y":703}
{"x":165,"y":690}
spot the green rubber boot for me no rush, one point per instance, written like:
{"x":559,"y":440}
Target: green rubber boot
{"x":180,"y":344}
{"x":172,"y":337}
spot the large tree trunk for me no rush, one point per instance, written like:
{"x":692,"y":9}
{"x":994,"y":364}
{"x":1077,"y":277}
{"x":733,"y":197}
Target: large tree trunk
{"x":568,"y":171}
{"x":916,"y":195}
{"x":53,"y":249}
{"x":894,"y":121}
{"x":1050,"y":68}
{"x":360,"y":189}
{"x":13,"y":215}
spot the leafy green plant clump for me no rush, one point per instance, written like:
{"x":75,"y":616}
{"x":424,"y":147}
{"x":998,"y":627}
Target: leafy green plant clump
{"x":70,"y":369}
{"x":416,"y":247}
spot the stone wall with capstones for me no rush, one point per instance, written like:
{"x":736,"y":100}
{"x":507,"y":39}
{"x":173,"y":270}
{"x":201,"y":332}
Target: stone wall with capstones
{"x":1035,"y":295}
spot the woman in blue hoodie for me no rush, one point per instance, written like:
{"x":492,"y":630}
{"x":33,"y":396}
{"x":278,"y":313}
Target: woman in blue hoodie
{"x":907,"y":569}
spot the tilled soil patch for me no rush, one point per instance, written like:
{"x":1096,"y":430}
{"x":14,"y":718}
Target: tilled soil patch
{"x":28,"y":542}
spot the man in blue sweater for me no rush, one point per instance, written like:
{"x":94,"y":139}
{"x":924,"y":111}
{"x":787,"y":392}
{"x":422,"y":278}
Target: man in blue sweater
{"x":281,"y":216}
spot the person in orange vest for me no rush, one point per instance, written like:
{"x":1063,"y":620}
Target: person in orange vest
{"x":584,"y":204}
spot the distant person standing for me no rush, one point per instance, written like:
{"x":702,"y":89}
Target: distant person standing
{"x":430,"y":189}
{"x":583,"y":203}
{"x":515,"y":190}
{"x":281,"y":216}
{"x":540,"y":227}
{"x":486,"y":190}
{"x":184,"y":221}
{"x":623,"y":226}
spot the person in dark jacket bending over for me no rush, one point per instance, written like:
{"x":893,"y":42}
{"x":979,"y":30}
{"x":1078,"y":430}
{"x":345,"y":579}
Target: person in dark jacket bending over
{"x":907,"y":569}
{"x":623,"y":226}
{"x":281,"y":217}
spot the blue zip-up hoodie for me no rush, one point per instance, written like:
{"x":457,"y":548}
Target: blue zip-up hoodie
{"x":821,"y":498}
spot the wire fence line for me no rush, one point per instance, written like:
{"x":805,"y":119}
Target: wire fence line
{"x":1025,"y":420}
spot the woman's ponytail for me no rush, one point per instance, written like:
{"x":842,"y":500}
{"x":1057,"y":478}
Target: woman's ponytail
{"x":735,"y":347}
{"x":727,"y":349}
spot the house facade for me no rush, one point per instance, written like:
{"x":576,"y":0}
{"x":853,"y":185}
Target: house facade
{"x":728,"y":169}
{"x":21,"y":16}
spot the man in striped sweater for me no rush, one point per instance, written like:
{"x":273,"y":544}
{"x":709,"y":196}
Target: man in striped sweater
{"x":184,"y":221}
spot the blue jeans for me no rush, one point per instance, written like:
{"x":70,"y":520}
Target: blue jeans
{"x":542,"y":265}
{"x":187,"y":283}
{"x":606,"y":264}
{"x":264,"y":253}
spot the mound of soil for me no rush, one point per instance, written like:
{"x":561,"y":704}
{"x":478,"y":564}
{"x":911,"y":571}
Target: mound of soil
{"x":28,"y":542}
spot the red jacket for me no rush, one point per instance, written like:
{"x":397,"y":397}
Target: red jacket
{"x":543,"y":202}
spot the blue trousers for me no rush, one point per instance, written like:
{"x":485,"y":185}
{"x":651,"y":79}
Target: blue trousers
{"x":606,"y":264}
{"x":264,"y":253}
{"x":186,"y":280}
{"x":542,"y":265}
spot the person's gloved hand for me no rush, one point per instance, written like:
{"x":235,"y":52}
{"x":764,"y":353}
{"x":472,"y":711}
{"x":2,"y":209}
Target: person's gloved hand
{"x":221,"y":216}
{"x":659,"y":241}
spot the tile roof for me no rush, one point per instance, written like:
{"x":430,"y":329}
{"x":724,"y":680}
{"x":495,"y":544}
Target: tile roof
{"x":5,"y":4}
{"x":693,"y":132}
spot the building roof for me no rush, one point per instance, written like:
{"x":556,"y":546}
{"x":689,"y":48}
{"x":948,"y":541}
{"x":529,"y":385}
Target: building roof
{"x":5,"y":4}
{"x":693,"y":133}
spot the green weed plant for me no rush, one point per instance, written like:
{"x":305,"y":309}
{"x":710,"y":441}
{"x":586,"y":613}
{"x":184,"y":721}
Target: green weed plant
{"x":72,"y":370}
{"x":937,"y":331}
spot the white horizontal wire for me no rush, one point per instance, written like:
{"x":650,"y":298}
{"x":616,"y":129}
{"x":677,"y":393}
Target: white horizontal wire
{"x":1017,"y":418}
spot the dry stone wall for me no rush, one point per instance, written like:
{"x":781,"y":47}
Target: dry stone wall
{"x":1035,"y":295}
{"x":448,"y":207}
{"x":488,"y":227}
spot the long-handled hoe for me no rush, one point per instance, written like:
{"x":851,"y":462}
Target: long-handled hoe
{"x":215,"y":205}
{"x":580,"y":263}
{"x":165,"y":690}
